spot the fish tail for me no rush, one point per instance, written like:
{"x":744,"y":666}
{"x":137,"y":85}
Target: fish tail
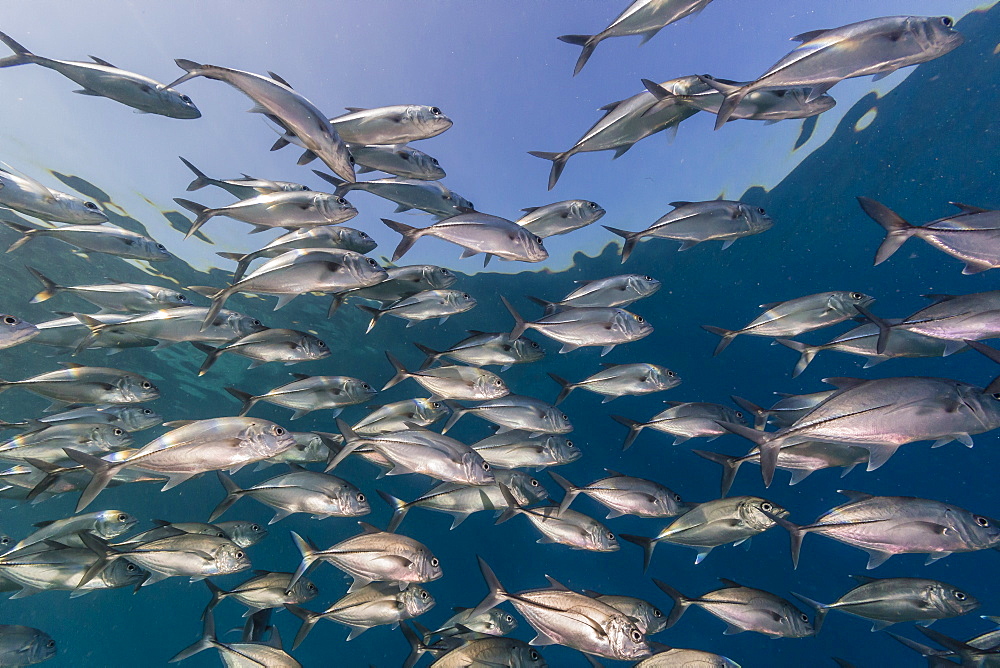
{"x":49,"y":286}
{"x":94,"y":325}
{"x":884,"y":329}
{"x":769,"y":446}
{"x":730,"y":465}
{"x":519,"y":323}
{"x":806,"y":354}
{"x":26,"y":231}
{"x":192,"y":70}
{"x":432,"y":355}
{"x":457,"y":411}
{"x":399,"y":510}
{"x":102,"y":471}
{"x":218,"y":301}
{"x":634,"y":427}
{"x":233,"y":493}
{"x":309,"y":619}
{"x":795,"y":532}
{"x":928,"y":652}
{"x":279,"y":143}
{"x":571,"y":491}
{"x":566,"y":386}
{"x":993,"y":354}
{"x":410,"y":235}
{"x":207,"y":640}
{"x":897,"y":230}
{"x":342,"y":186}
{"x":510,"y":501}
{"x":760,"y":415}
{"x":417,"y":646}
{"x":631,"y":239}
{"x":52,"y":473}
{"x":211,"y":356}
{"x":820,"y":608}
{"x":201,"y":179}
{"x":105,"y":555}
{"x":681,"y":602}
{"x":218,"y":593}
{"x":727,"y":337}
{"x":558,"y":164}
{"x":242,"y":262}
{"x":497,"y":594}
{"x":336,"y":302}
{"x":550,"y":307}
{"x":664,"y":98}
{"x":351,"y":443}
{"x":21,"y":55}
{"x":647,"y":545}
{"x":588,"y":42}
{"x":308,"y":551}
{"x":401,"y":372}
{"x":248,"y":399}
{"x":202,"y":214}
{"x":731,"y":100}
{"x":375,"y":313}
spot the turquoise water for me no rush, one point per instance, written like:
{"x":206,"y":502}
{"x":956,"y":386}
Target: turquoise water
{"x":932,"y":140}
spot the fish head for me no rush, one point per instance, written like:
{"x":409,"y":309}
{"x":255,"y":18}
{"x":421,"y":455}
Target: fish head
{"x":149,"y":249}
{"x":78,"y":211}
{"x":488,"y":385}
{"x":112,"y":523}
{"x":230,"y":558}
{"x":630,"y":325}
{"x":584,"y":211}
{"x":751,"y":512}
{"x":733,"y":415}
{"x":476,"y":469}
{"x":352,"y":503}
{"x":137,"y":418}
{"x":600,"y":538}
{"x":643,"y":285}
{"x":651,"y":617}
{"x":627,"y":641}
{"x":358,"y":390}
{"x":40,"y":648}
{"x":430,"y":120}
{"x":756,"y":218}
{"x":978,"y":532}
{"x":530,"y":245}
{"x":556,"y":421}
{"x":122,"y":573}
{"x":525,"y":488}
{"x":364,"y":270}
{"x":438,"y":277}
{"x":847,"y":303}
{"x":458,"y":202}
{"x":110,"y":437}
{"x":462,"y":300}
{"x":239,"y":324}
{"x":334,"y":208}
{"x":174,"y":104}
{"x":661,"y":378}
{"x":936,"y":35}
{"x":242,"y":532}
{"x":14,"y":330}
{"x":949,"y":601}
{"x":420,"y":163}
{"x":495,"y":622}
{"x":133,"y":388}
{"x":525,"y":656}
{"x":797,"y":623}
{"x":425,"y":566}
{"x":171,"y":298}
{"x":291,"y":187}
{"x":429,"y":411}
{"x":562,"y":450}
{"x":986,"y":407}
{"x":526,"y":350}
{"x":312,"y":347}
{"x":356,"y":240}
{"x":263,"y":439}
{"x":303,"y":591}
{"x":415,"y":600}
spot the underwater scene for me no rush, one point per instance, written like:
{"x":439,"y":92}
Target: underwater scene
{"x":517,"y":334}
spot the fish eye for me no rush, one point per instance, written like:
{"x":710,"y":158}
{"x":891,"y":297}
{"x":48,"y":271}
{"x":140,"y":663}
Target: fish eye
{"x":611,"y":536}
{"x":254,"y":527}
{"x":161,"y":247}
{"x":255,"y":323}
{"x":766,"y":506}
{"x":533,"y":655}
{"x":179,"y":297}
{"x":350,"y":159}
{"x":130,"y":567}
{"x":372,"y":262}
{"x":321,"y":344}
{"x":647,"y":278}
{"x":671,"y":374}
{"x":947,"y":22}
{"x":465,"y":295}
{"x":565,"y":417}
{"x":123,"y":518}
{"x":146,"y":385}
{"x":312,"y":587}
{"x":434,"y":160}
{"x":90,"y":205}
{"x":677,"y":497}
{"x":982,"y":521}
{"x":498,"y":382}
{"x":593,"y":205}
{"x":51,"y":643}
{"x":146,"y":411}
{"x":804,"y":617}
{"x":534,"y":483}
{"x":960,"y":595}
{"x":434,"y":562}
{"x":10,"y":320}
{"x":445,"y":272}
{"x":361,"y":497}
{"x":446,"y":197}
{"x":856,"y":295}
{"x":636,"y":636}
{"x":657,"y":613}
{"x":185,"y":98}
{"x":341,"y":201}
{"x":240,"y":555}
{"x":363,"y":235}
{"x":305,"y":188}
{"x":5,"y":540}
{"x":365,"y":386}
{"x":760,"y":211}
{"x":538,"y":240}
{"x":739,"y":414}
{"x":436,"y":405}
{"x":280,"y":431}
{"x":569,"y":444}
{"x":995,"y":395}
{"x":435,"y":111}
{"x":423,"y":594}
{"x":640,"y":319}
{"x":486,"y":466}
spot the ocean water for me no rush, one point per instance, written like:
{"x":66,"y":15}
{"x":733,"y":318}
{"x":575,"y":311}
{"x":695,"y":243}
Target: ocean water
{"x":930,"y":139}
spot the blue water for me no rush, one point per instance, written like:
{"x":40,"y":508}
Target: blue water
{"x":933,"y":139}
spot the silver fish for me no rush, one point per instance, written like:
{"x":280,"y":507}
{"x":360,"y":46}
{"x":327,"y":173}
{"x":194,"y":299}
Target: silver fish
{"x":310,"y":447}
{"x":310,"y":393}
{"x":954,"y":318}
{"x":873,"y":47}
{"x":102,"y":79}
{"x":516,"y":412}
{"x":487,"y":348}
{"x":400,"y":283}
{"x":579,"y":327}
{"x":493,"y":622}
{"x":769,"y":106}
{"x":611,"y":291}
{"x":243,"y":533}
{"x":787,"y":410}
{"x":128,"y":417}
{"x":395,"y":416}
{"x":465,"y":383}
{"x":426,"y":305}
{"x":886,"y":525}
{"x":373,"y":555}
{"x":13,"y":331}
{"x":321,"y":236}
{"x":271,"y":345}
{"x":397,"y":124}
{"x":109,"y":239}
{"x":76,"y":383}
{"x":492,"y":652}
{"x":289,"y":210}
{"x":264,"y":590}
{"x":617,"y":380}
{"x":299,"y":491}
{"x":431,"y":196}
{"x":796,"y":316}
{"x":625,"y":495}
{"x":105,"y":524}
{"x":244,"y":188}
{"x":26,"y":195}
{"x":692,"y":223}
{"x":517,"y":449}
{"x":240,"y":654}
{"x":560,"y":217}
{"x":744,"y":609}
{"x":565,"y":617}
{"x":24,"y":645}
{"x":648,"y":618}
{"x":399,"y":160}
{"x":304,"y":124}
{"x":47,"y":443}
{"x":684,"y":421}
{"x":642,"y":17}
{"x":191,"y":555}
{"x":44,"y":567}
{"x":687,"y":658}
{"x":713,"y":523}
{"x":110,"y":297}
{"x":564,"y":527}
{"x":476,"y":233}
{"x":171,"y":326}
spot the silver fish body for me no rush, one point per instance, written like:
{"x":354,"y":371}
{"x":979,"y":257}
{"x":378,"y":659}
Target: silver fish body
{"x":625,"y":495}
{"x":684,"y":421}
{"x":283,"y":209}
{"x":431,"y":196}
{"x":300,"y":491}
{"x":28,"y":196}
{"x":89,"y":385}
{"x":320,"y":236}
{"x":402,"y":282}
{"x":128,"y":417}
{"x":686,"y":658}
{"x":770,"y":105}
{"x":171,"y":326}
{"x":311,"y":393}
{"x":426,"y":305}
{"x":515,"y":411}
{"x":487,"y":348}
{"x":560,"y":217}
{"x":288,"y":346}
{"x":617,"y":380}
{"x":476,"y":233}
{"x":399,"y":160}
{"x":265,"y":590}
{"x":570,"y":528}
{"x":187,"y":555}
{"x":109,"y":239}
{"x":243,"y":188}
{"x":648,"y":618}
{"x":612,"y":291}
{"x":492,"y":652}
{"x":24,"y":645}
{"x":105,"y":524}
{"x":463,"y":383}
{"x":394,"y":416}
{"x":397,"y":124}
{"x":128,"y":297}
{"x":579,"y":327}
{"x":524,"y":449}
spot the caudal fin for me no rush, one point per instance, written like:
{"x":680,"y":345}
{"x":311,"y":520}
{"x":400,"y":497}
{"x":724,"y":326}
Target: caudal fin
{"x":795,"y":533}
{"x":207,"y":641}
{"x":103,"y":473}
{"x":884,"y":328}
{"x":432,"y":355}
{"x":308,"y":551}
{"x":211,"y":356}
{"x":731,"y":100}
{"x":309,"y":619}
{"x":820,"y":608}
{"x":202,"y":214}
{"x":570,"y":491}
{"x":457,"y":411}
{"x":897,"y":230}
{"x":375,"y":314}
{"x":681,"y":602}
{"x":410,"y":236}
{"x":806,"y":354}
{"x":401,"y":372}
{"x":233,"y":493}
{"x":631,"y":239}
{"x":634,"y":427}
{"x":248,"y":399}
{"x":341,"y":187}
{"x":351,"y":443}
{"x":647,"y":545}
{"x":558,"y":164}
{"x":26,"y":232}
{"x":49,"y":286}
{"x":727,"y":337}
{"x":765,"y":441}
{"x":730,"y":465}
{"x":218,"y":593}
{"x":399,"y":510}
{"x":242,"y":262}
{"x":566,"y":386}
{"x":192,"y":68}
{"x":519,"y":323}
{"x":497,"y":593}
{"x":21,"y":55}
{"x":201,"y":179}
{"x":588,"y":42}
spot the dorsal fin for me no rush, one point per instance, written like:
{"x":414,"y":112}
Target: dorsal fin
{"x":808,"y":36}
{"x":101,"y":61}
{"x":368,"y":528}
{"x":679,"y":204}
{"x":555,"y":584}
{"x":300,"y":376}
{"x":729,"y":584}
{"x":966,"y":208}
{"x":278,"y":78}
{"x":844,"y":383}
{"x":863,"y":579}
{"x":854,"y":495}
{"x":529,"y":209}
{"x":44,"y":524}
{"x":70,"y":365}
{"x":355,"y":110}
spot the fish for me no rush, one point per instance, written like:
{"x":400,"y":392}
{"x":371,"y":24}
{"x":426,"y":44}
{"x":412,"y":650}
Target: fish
{"x":397,"y":124}
{"x":684,"y":421}
{"x":465,"y":383}
{"x":426,"y":305}
{"x":394,"y":416}
{"x":300,"y":491}
{"x":692,"y":223}
{"x":525,"y":449}
{"x":744,"y":609}
{"x":113,"y":297}
{"x":641,"y":17}
{"x":560,"y":217}
{"x":713,"y":523}
{"x":102,"y":79}
{"x":303,"y":123}
{"x":564,"y":527}
{"x":75,"y":383}
{"x":889,"y":601}
{"x":108,"y":239}
{"x":580,"y":327}
{"x":612,"y":291}
{"x":787,"y":410}
{"x":170,"y":326}
{"x":561,"y":616}
{"x":399,"y":160}
{"x":624,"y":124}
{"x":486,"y":349}
{"x":476,"y":233}
{"x":191,"y":555}
{"x":432,"y":197}
{"x":647,"y":617}
{"x":514,"y":411}
{"x":193,"y":447}
{"x":625,"y":495}
{"x":953,"y":318}
{"x":47,"y":567}
{"x":493,"y":622}
{"x":972,"y":235}
{"x":14,"y":331}
{"x":400,"y":283}
{"x":491,"y":652}
{"x":271,"y":345}
{"x":618,"y":380}
{"x":105,"y":524}
{"x":886,"y":525}
{"x":264,"y":590}
{"x":320,"y":236}
{"x":878,"y":47}
{"x":240,"y":654}
{"x":128,"y":417}
{"x":24,"y":645}
{"x":310,"y":447}
{"x":790,"y":318}
{"x":310,"y":393}
{"x":677,"y":657}
{"x":770,"y":105}
{"x":289,"y":210}
{"x":47,"y":442}
{"x":373,"y":556}
{"x":244,"y":188}
{"x":25,"y":195}
{"x":375,"y":604}
{"x":243,"y":533}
